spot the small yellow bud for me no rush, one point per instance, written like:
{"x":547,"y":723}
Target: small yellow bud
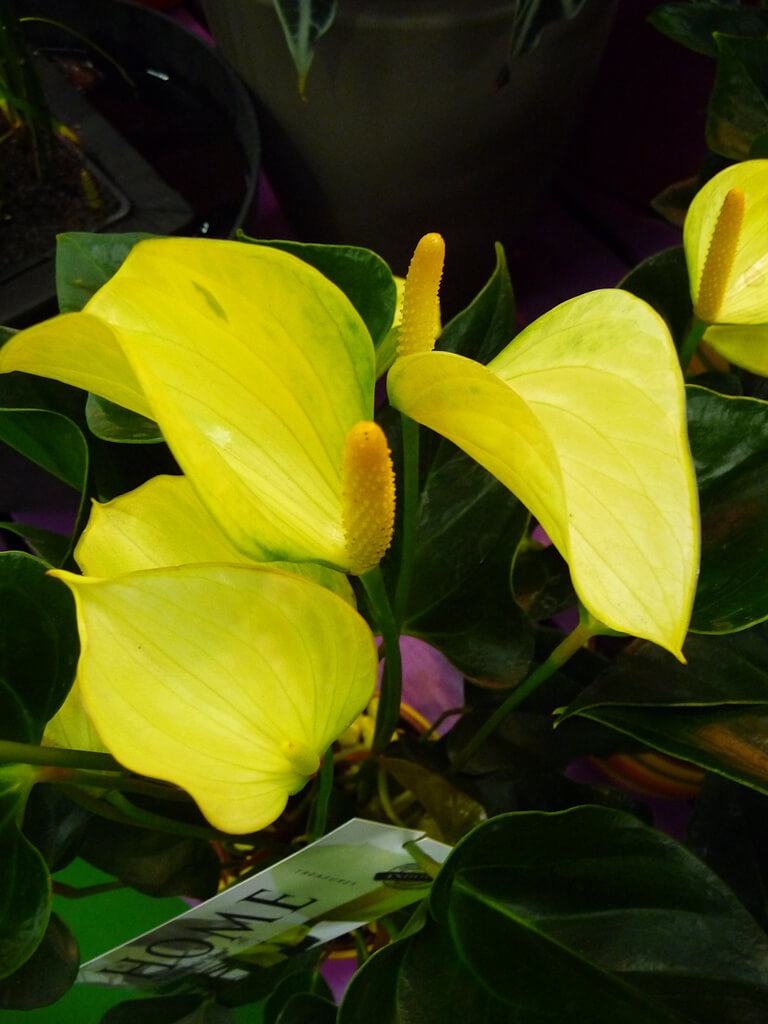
{"x":368,"y":496}
{"x":720,"y":257}
{"x":420,"y":325}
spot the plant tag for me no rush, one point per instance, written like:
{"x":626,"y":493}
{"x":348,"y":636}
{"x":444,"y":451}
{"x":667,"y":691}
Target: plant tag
{"x":355,"y":874}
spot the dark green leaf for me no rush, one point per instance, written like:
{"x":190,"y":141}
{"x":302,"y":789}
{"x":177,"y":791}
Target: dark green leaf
{"x":729,"y":443}
{"x":363,"y":276}
{"x":263,"y":981}
{"x":38,"y":646}
{"x":111,"y":422}
{"x":465,"y":516}
{"x":487,"y":325}
{"x":47,"y":974}
{"x":626,"y":924}
{"x":694,"y":24}
{"x":453,"y":811}
{"x":306,"y":1008}
{"x":86,"y":260}
{"x":51,"y":547}
{"x":662,"y":280}
{"x":729,"y":831}
{"x":712,"y":712}
{"x":293,"y":984}
{"x":461,"y":600}
{"x":370,"y":996}
{"x":50,"y":440}
{"x":162,"y":1010}
{"x":154,"y":863}
{"x":54,"y":824}
{"x":541,"y":581}
{"x":24,"y":883}
{"x":738,"y":106}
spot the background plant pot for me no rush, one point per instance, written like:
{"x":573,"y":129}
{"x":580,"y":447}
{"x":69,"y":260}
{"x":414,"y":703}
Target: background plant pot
{"x":182,"y":141}
{"x":407,"y":126}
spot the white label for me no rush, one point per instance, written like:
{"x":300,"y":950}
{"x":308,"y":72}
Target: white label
{"x":353,"y":875}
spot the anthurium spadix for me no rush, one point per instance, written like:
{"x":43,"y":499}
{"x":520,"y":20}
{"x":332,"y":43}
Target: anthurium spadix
{"x":229,"y":680}
{"x":582,"y":417}
{"x":726,"y":248}
{"x":254,"y":365}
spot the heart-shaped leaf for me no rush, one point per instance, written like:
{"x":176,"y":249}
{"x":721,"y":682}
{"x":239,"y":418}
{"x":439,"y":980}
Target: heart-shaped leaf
{"x":729,"y":443}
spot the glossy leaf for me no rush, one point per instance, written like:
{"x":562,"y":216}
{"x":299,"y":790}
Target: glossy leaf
{"x":370,"y":995}
{"x":527,"y":896}
{"x":464,"y":515}
{"x":363,"y":276}
{"x":38,"y":646}
{"x":86,"y":260}
{"x":541,"y":582}
{"x":111,"y":422}
{"x":52,"y":547}
{"x":729,"y":443}
{"x":164,"y":523}
{"x":712,"y":712}
{"x":155,"y":1010}
{"x":255,"y":367}
{"x":47,"y":975}
{"x":610,"y":481}
{"x":48,"y":439}
{"x":662,"y":281}
{"x":199,"y":675}
{"x":24,"y":881}
{"x":154,"y":863}
{"x":285,"y":992}
{"x":738,"y":106}
{"x":482,"y":330}
{"x":453,"y":811}
{"x":694,"y":23}
{"x":306,"y":1008}
{"x":729,"y":830}
{"x":624,"y":924}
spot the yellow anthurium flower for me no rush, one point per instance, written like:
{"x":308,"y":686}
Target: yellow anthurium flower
{"x":254,"y":365}
{"x":582,"y":416}
{"x":163,"y":523}
{"x":229,"y":680}
{"x":725,"y":237}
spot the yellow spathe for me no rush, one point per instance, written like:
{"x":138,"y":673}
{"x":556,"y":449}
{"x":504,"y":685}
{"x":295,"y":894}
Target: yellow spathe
{"x":739,"y":330}
{"x":227,"y":680}
{"x":164,"y":523}
{"x":582,"y":416}
{"x":254,"y":365}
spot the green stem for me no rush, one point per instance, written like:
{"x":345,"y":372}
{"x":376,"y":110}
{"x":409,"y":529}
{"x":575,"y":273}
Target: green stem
{"x":318,"y":815}
{"x":410,"y":518}
{"x":691,"y":343}
{"x":112,"y":781}
{"x":79,"y":892}
{"x":383,"y":791}
{"x":565,"y":650}
{"x":360,"y":947}
{"x":31,"y":753}
{"x":392,"y":678}
{"x":115,"y":808}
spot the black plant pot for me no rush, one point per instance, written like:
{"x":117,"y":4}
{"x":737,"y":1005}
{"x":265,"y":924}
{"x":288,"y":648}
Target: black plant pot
{"x":158,"y":111}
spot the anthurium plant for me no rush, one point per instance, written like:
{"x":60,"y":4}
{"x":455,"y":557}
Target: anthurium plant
{"x":293,"y":480}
